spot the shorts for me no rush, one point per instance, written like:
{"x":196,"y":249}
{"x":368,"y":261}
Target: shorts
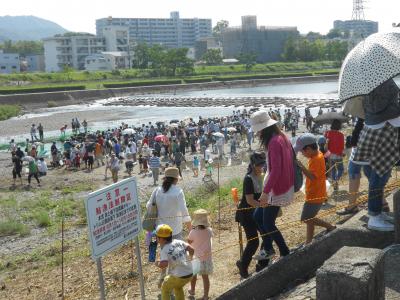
{"x":310,"y":210}
{"x":354,"y":170}
{"x":15,"y":173}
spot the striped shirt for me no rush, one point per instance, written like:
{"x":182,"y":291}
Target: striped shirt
{"x":154,"y":162}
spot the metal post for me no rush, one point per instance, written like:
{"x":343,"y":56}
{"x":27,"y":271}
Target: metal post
{"x":396,"y":209}
{"x":219,"y":207}
{"x":139,"y":263}
{"x":101,"y":280}
{"x":62,"y":254}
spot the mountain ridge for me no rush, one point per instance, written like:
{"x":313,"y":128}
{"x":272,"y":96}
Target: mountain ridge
{"x":27,"y":28}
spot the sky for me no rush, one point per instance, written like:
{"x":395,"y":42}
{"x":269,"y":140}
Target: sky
{"x":307,"y":15}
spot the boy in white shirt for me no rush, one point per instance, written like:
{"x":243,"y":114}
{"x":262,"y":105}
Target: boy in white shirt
{"x":174,"y":256}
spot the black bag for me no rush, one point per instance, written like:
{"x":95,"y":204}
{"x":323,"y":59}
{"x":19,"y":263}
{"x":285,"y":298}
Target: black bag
{"x":298,"y":174}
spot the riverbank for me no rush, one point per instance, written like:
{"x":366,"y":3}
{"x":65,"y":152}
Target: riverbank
{"x":43,"y":100}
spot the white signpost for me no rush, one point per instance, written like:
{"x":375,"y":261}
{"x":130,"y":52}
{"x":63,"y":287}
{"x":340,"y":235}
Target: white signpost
{"x":113,"y":215}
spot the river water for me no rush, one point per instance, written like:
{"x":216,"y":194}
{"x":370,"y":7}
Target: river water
{"x":136,"y":115}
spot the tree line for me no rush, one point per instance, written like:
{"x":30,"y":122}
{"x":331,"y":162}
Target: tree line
{"x":22,"y":47}
{"x":303,"y":49}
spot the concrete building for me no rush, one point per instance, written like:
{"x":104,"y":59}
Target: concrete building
{"x":267,"y":43}
{"x":9,"y":63}
{"x":172,"y":33}
{"x":357,"y":28}
{"x":60,"y":51}
{"x":34,"y":63}
{"x":107,"y":61}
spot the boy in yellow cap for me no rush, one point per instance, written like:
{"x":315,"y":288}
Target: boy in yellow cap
{"x":174,"y":256}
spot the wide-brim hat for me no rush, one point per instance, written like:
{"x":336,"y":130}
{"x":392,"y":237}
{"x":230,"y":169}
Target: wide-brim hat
{"x":260,"y":120}
{"x":172,"y":172}
{"x":200,"y":217}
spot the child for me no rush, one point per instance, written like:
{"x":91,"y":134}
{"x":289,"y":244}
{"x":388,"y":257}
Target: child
{"x":173,"y":255}
{"x":315,"y":184}
{"x":196,"y":164}
{"x":200,"y":238}
{"x":140,"y":164}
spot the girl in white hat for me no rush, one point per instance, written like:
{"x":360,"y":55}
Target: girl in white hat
{"x":200,"y":238}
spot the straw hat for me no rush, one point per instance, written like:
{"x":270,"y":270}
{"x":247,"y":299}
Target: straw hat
{"x":172,"y":172}
{"x":200,"y":217}
{"x":260,"y":120}
{"x":163,"y":231}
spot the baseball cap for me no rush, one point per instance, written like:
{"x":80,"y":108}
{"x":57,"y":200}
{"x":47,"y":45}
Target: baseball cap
{"x":304,"y":140}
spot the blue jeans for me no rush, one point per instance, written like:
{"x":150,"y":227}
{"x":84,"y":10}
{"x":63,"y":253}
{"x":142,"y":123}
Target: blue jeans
{"x":265,"y":219}
{"x":337,"y":168}
{"x":376,"y":185}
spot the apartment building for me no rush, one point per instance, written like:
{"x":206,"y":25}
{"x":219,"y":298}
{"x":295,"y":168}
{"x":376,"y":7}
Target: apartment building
{"x":267,"y":43}
{"x":174,"y":32}
{"x":72,"y":50}
{"x":9,"y":63}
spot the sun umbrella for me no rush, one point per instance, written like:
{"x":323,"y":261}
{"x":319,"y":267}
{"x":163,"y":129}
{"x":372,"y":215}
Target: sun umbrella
{"x":328,"y":117}
{"x":218,"y":134}
{"x":160,"y":138}
{"x":128,"y":131}
{"x":174,"y":125}
{"x":174,"y":121}
{"x":372,"y":62}
{"x":231,"y":129}
{"x":28,"y":158}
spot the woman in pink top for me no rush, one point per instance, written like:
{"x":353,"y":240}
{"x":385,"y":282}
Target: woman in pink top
{"x":279,"y":183}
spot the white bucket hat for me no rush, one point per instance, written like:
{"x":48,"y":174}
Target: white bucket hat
{"x":260,"y":120}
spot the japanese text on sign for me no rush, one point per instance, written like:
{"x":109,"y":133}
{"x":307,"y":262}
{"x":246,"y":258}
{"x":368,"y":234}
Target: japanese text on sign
{"x":113,"y":215}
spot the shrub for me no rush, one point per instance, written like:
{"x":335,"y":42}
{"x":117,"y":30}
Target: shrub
{"x":42,"y":219}
{"x":41,"y":89}
{"x":12,"y":227}
{"x":198,"y":80}
{"x":142,"y":83}
{"x":8,"y":111}
{"x":51,"y":104}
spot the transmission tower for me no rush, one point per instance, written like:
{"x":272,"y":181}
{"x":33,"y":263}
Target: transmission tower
{"x":358,"y":10}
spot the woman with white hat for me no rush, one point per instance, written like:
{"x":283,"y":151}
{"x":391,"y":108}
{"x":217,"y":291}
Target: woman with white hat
{"x":171,"y":204}
{"x":278,"y":187}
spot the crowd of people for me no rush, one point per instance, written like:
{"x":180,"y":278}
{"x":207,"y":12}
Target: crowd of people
{"x":270,"y":183}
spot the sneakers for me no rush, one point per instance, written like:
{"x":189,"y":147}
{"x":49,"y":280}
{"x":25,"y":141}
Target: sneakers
{"x":379,"y":223}
{"x":263,"y":255}
{"x":388,"y":218}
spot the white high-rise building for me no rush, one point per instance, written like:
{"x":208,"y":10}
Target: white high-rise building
{"x":174,"y":32}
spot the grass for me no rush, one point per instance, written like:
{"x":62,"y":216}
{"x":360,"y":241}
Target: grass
{"x":8,"y":111}
{"x":202,"y":198}
{"x":95,"y":80}
{"x":45,"y":210}
{"x":42,"y":218}
{"x":11,"y":227}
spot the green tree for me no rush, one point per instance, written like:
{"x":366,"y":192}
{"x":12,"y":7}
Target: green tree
{"x":334,"y":33}
{"x":213,"y":57}
{"x":175,"y":61}
{"x":141,"y":56}
{"x":290,"y":50}
{"x":219,"y":28}
{"x":23,"y":47}
{"x":248,"y":59}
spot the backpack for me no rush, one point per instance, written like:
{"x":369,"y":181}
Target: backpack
{"x":298,"y":174}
